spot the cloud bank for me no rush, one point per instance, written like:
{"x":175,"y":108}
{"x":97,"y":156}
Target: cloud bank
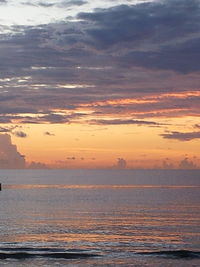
{"x":182,"y":136}
{"x":137,"y":61}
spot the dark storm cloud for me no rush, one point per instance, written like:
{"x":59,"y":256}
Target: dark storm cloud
{"x":129,"y":51}
{"x":182,"y":136}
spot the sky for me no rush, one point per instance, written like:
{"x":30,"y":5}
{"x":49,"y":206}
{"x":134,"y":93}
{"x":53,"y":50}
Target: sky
{"x":100,"y":84}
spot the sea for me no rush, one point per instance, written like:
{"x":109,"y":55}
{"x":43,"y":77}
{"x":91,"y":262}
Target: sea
{"x":88,"y":218}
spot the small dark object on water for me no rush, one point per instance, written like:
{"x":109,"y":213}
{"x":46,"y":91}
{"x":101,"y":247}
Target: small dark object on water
{"x":0,"y":187}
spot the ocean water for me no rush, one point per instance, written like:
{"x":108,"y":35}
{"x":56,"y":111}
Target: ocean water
{"x":100,"y":218}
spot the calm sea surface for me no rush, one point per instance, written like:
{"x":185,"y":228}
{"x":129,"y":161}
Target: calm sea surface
{"x":100,"y":218}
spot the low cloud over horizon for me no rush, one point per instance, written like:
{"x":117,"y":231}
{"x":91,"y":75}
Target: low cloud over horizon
{"x":182,"y":136}
{"x":11,"y":158}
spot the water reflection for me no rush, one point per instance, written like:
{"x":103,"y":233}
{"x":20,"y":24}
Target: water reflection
{"x":105,"y":218}
{"x":75,"y":186}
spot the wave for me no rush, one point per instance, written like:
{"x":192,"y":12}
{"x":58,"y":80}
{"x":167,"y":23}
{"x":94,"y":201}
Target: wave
{"x":28,"y":252}
{"x":25,"y":253}
{"x":175,"y":254}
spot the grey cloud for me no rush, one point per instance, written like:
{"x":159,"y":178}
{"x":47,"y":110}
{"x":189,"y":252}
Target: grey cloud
{"x":37,"y":165}
{"x":49,"y":134}
{"x":10,"y":158}
{"x":63,"y":3}
{"x":182,"y":58}
{"x":7,"y":98}
{"x":69,"y":3}
{"x":155,"y":22}
{"x":121,"y":164}
{"x":4,"y":119}
{"x":115,"y":52}
{"x":181,"y":136}
{"x":125,"y":122}
{"x":30,"y":121}
{"x":20,"y":134}
{"x":11,"y":118}
{"x":16,"y":110}
{"x":187,"y":164}
{"x":16,"y":51}
{"x":3,"y":1}
{"x":153,"y":35}
{"x":40,"y":118}
{"x":57,"y":118}
{"x":167,"y":164}
{"x":7,"y":129}
{"x":42,"y":4}
{"x":71,"y":158}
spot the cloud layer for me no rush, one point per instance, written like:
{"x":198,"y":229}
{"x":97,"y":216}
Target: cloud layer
{"x":182,"y":136}
{"x":127,"y":64}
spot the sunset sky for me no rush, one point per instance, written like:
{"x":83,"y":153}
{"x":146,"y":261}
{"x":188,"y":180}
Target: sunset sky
{"x":100,"y":84}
